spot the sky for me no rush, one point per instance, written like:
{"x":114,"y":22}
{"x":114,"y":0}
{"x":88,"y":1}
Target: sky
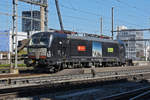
{"x":84,"y":15}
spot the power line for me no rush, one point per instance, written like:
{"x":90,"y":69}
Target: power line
{"x":124,"y":30}
{"x":129,"y":5}
{"x":8,"y":14}
{"x":129,"y":15}
{"x":87,"y":12}
{"x":35,"y":2}
{"x":83,"y":11}
{"x":91,"y":13}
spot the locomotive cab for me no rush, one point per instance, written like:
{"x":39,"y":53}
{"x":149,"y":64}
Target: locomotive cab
{"x":39,"y":45}
{"x":47,"y":47}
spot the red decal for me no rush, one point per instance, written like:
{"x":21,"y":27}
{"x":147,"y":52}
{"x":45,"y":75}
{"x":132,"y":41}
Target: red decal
{"x":81,"y":48}
{"x":31,"y":57}
{"x":43,"y":57}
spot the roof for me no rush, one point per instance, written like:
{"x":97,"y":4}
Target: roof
{"x":90,"y":38}
{"x":79,"y":37}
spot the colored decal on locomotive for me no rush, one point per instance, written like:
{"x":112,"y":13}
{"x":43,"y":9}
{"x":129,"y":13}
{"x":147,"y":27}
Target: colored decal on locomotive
{"x":110,"y":50}
{"x":81,"y":48}
{"x":96,"y":49}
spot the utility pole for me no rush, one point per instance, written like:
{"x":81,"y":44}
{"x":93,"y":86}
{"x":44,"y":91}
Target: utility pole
{"x":42,"y":18}
{"x":112,"y":23}
{"x":59,"y":15}
{"x":14,"y":69}
{"x":46,"y":15}
{"x":145,"y":52}
{"x":31,"y":18}
{"x":101,"y":26}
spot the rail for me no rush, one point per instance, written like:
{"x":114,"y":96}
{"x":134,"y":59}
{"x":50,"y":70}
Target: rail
{"x":136,"y":94}
{"x":3,"y":71}
{"x":143,"y":96}
{"x":13,"y":82}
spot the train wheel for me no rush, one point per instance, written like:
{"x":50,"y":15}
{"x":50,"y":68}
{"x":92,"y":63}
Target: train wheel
{"x":58,"y":68}
{"x":52,"y":69}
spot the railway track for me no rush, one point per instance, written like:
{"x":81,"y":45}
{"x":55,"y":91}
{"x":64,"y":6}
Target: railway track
{"x":24,"y":82}
{"x":33,"y":80}
{"x":75,"y":71}
{"x":21,"y":70}
{"x":7,"y":96}
{"x":26,"y":92}
{"x":4,"y":71}
{"x":137,"y":94}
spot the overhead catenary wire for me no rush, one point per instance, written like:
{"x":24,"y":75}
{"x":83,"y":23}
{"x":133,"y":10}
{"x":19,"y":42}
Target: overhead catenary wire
{"x":117,"y":7}
{"x":129,"y":15}
{"x":123,"y":3}
{"x":129,"y":5}
{"x":95,"y":14}
{"x":134,"y":7}
{"x":7,"y":4}
{"x":88,"y":12}
{"x":91,"y":13}
{"x":8,"y":14}
{"x":9,"y":9}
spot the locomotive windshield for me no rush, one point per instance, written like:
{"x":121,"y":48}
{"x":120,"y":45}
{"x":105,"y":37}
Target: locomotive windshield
{"x":40,"y":39}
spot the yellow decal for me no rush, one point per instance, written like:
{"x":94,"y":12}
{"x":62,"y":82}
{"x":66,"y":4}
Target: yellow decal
{"x":110,"y":50}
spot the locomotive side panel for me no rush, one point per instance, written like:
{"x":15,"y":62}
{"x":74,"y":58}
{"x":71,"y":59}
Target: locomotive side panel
{"x":58,"y":46}
{"x":80,"y":48}
{"x":110,"y":50}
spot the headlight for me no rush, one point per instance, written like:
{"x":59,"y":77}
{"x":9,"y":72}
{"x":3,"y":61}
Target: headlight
{"x":43,"y":51}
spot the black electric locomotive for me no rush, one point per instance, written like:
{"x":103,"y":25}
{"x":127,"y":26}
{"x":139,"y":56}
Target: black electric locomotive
{"x":52,"y":51}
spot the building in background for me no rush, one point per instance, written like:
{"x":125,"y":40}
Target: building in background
{"x":134,"y":49}
{"x":28,"y":24}
{"x":6,"y":42}
{"x":147,"y":53}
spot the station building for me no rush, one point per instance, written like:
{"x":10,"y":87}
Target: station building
{"x":6,"y":42}
{"x":134,"y":49}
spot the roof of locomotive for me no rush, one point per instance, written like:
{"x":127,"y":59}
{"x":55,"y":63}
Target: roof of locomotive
{"x":54,"y":34}
{"x":88,"y":38}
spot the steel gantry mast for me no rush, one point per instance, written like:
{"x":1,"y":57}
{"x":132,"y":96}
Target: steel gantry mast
{"x":14,"y":55}
{"x":44,"y":26}
{"x":59,"y":15}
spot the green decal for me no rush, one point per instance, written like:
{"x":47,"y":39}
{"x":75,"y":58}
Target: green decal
{"x":110,"y":49}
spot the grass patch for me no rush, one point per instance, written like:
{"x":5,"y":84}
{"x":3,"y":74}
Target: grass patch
{"x":20,"y":67}
{"x":8,"y":65}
